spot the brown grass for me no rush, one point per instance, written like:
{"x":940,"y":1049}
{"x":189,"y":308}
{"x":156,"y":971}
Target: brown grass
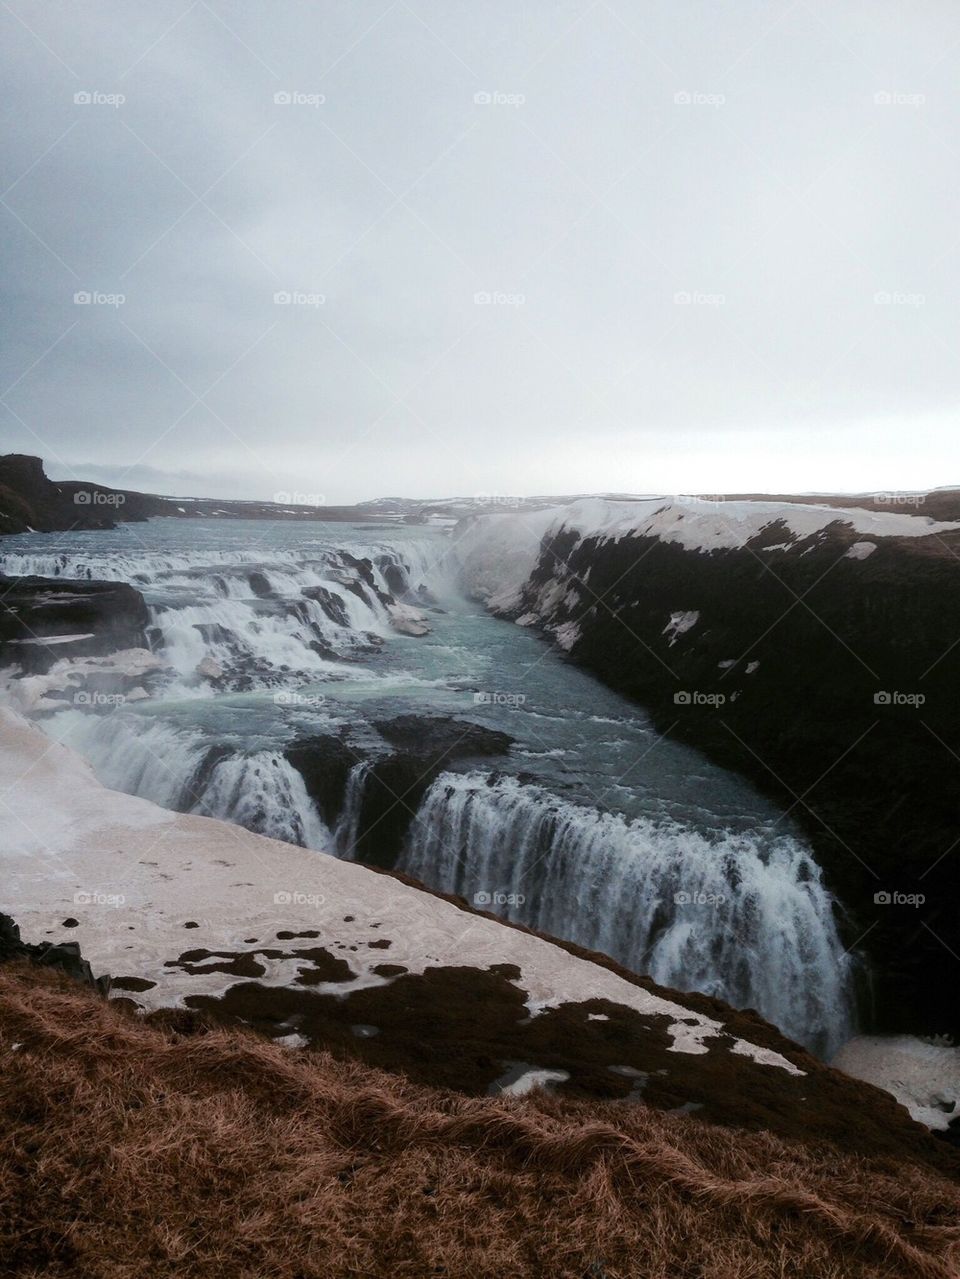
{"x":130,"y":1149}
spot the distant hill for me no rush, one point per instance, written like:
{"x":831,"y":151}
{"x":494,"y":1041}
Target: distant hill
{"x":30,"y":500}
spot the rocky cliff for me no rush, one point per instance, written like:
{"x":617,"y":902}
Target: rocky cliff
{"x":812,"y":649}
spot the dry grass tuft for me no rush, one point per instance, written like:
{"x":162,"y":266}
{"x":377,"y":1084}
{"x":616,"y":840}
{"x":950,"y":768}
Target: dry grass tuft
{"x":133,"y":1150}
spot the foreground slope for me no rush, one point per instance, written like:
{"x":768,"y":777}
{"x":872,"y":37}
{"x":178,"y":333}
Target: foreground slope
{"x":132,"y":1149}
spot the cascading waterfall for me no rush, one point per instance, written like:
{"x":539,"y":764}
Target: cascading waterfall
{"x":218,"y":618}
{"x":348,"y":824}
{"x":746,"y":920}
{"x":264,"y":793}
{"x":259,"y":790}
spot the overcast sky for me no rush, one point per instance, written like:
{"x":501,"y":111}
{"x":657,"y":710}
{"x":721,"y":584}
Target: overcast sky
{"x":552,"y":246}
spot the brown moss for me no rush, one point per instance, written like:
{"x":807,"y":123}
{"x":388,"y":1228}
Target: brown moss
{"x":131,"y":1150}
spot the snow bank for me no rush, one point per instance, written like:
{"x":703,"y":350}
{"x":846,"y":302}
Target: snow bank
{"x":923,"y":1076}
{"x":497,"y":553}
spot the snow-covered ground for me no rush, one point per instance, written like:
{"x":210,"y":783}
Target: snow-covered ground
{"x":145,"y":884}
{"x":923,"y":1076}
{"x":497,"y":553}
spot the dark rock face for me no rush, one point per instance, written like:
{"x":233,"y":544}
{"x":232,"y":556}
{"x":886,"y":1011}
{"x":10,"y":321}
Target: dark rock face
{"x":62,"y":955}
{"x":331,"y":603}
{"x":804,"y":670}
{"x":395,"y":783}
{"x":324,"y":762}
{"x":29,"y":500}
{"x":439,"y":739}
{"x":36,"y":609}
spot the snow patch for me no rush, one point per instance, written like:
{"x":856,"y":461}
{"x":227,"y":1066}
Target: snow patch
{"x":680,"y":623}
{"x":923,"y":1076}
{"x":860,"y":550}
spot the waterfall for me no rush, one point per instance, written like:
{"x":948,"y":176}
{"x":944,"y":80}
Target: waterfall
{"x":348,"y":824}
{"x":741,"y":917}
{"x":179,"y":769}
{"x":223,"y":621}
{"x":266,"y":794}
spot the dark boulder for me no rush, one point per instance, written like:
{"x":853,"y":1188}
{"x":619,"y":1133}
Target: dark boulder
{"x":324,"y":762}
{"x":395,"y":783}
{"x":64,"y":956}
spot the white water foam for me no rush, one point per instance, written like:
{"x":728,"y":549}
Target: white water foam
{"x":745,"y":919}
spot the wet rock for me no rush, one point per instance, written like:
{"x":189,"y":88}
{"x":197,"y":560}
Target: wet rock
{"x":45,"y":619}
{"x":209,"y":668}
